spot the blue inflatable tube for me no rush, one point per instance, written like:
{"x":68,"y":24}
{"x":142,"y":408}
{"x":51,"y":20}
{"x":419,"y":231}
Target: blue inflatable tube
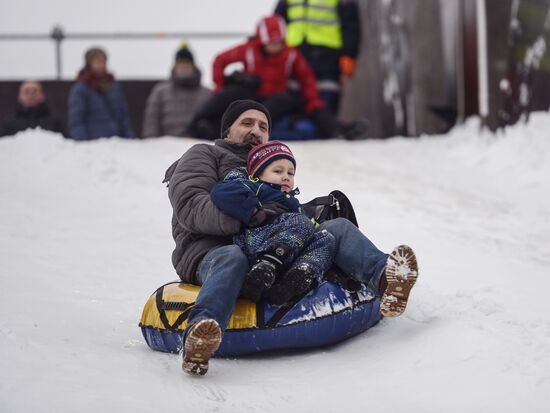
{"x":324,"y":316}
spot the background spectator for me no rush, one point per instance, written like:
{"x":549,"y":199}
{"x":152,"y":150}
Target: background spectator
{"x":328,"y":33}
{"x":97,"y":106}
{"x":172,"y":103}
{"x":32,"y":111}
{"x":268,"y":65}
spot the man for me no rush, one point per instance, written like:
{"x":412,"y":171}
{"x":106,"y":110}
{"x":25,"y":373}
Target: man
{"x":32,"y":111}
{"x":269,"y":64}
{"x":204,"y":252}
{"x":328,"y":33}
{"x":172,"y":103}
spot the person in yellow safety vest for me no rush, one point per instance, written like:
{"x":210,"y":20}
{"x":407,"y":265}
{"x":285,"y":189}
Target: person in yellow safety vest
{"x":328,"y":33}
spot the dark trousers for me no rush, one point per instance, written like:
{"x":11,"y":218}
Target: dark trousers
{"x":325,"y":63}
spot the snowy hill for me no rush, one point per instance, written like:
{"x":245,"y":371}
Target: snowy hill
{"x":85,"y":239}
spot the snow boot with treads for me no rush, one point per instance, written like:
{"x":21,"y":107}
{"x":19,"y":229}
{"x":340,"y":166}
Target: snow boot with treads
{"x":200,"y":342}
{"x":399,"y":278}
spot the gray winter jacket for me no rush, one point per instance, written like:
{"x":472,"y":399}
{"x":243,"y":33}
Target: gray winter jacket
{"x":197,"y":224}
{"x":171,"y":106}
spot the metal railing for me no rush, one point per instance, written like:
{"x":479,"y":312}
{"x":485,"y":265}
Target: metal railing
{"x":58,"y":35}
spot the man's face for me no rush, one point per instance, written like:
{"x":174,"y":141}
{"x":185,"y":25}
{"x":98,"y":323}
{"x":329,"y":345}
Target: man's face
{"x":251,"y":127}
{"x":30,"y":94}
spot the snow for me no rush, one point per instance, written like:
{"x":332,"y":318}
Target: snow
{"x":85,"y":239}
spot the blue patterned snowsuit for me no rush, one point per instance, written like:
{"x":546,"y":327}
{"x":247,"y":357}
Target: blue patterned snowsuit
{"x":240,"y":197}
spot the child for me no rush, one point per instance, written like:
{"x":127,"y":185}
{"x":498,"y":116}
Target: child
{"x":286,"y":252}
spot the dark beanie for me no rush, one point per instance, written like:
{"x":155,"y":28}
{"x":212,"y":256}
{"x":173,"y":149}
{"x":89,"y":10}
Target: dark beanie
{"x":184,"y":55}
{"x":236,"y":108}
{"x":261,"y":156}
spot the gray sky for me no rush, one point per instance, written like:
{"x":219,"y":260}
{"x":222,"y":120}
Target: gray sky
{"x":127,"y":59}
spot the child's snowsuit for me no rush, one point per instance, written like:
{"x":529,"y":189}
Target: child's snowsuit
{"x":240,"y":197}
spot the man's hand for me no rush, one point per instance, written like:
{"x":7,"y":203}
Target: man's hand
{"x":347,"y":66}
{"x":267,"y":213}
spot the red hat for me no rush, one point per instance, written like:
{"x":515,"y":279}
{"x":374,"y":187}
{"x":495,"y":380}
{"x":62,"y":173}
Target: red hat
{"x":271,"y":29}
{"x":261,"y":156}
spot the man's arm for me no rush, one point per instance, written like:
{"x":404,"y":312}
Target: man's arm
{"x":189,"y":193}
{"x":236,"y":54}
{"x":351,"y":28}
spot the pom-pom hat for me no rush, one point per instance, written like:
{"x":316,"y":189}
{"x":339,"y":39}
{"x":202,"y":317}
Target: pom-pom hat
{"x":184,"y":54}
{"x":261,"y":156}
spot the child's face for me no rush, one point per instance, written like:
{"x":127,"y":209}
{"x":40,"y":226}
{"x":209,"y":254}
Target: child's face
{"x":280,"y":172}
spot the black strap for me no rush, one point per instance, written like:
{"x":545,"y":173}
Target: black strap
{"x":322,"y":200}
{"x":175,"y":305}
{"x":160,"y":303}
{"x":181,"y":318}
{"x":163,"y":306}
{"x":260,"y":314}
{"x":283,"y":310}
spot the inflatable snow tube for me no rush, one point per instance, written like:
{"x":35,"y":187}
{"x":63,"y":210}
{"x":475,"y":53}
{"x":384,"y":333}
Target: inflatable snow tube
{"x":326,"y":315}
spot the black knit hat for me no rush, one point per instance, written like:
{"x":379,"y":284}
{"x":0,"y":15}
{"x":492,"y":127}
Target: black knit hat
{"x":236,"y":108}
{"x":184,"y":55}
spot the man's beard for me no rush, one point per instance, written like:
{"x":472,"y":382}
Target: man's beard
{"x":252,"y":139}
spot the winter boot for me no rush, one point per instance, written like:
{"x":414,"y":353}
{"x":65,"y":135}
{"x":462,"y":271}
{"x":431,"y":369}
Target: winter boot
{"x":264,"y":272}
{"x":201,"y":341}
{"x":261,"y":276}
{"x":294,"y":282}
{"x":399,"y":277}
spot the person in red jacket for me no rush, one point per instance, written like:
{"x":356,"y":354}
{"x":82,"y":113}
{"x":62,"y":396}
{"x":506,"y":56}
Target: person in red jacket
{"x":268,"y":65}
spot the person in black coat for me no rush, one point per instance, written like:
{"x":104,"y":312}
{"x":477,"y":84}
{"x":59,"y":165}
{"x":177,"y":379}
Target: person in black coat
{"x":32,"y":111}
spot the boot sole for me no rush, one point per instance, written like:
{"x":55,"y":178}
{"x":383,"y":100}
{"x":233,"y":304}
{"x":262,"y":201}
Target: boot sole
{"x":201,"y":343}
{"x":401,"y":275}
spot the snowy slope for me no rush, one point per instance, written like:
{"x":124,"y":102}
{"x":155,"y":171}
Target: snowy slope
{"x":85,"y":239}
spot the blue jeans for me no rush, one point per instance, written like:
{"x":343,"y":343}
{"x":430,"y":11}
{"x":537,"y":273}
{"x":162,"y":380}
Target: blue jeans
{"x":356,"y":255}
{"x":221,"y":273}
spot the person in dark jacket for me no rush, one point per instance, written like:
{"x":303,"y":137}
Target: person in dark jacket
{"x":172,"y":103}
{"x":32,"y":111}
{"x":205,"y":253}
{"x":287,"y":254}
{"x":97,"y":106}
{"x":268,"y":66}
{"x":328,"y":33}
